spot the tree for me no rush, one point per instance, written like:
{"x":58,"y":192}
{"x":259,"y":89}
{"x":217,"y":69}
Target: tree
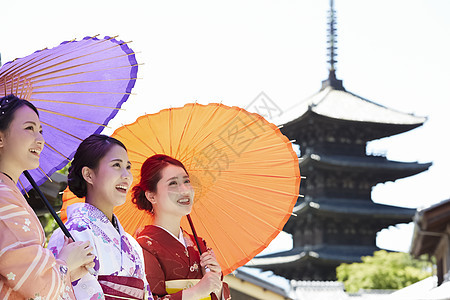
{"x":383,"y":270}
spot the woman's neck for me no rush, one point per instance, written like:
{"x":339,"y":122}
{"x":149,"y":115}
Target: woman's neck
{"x":106,"y":209}
{"x":170,"y":223}
{"x":10,"y":172}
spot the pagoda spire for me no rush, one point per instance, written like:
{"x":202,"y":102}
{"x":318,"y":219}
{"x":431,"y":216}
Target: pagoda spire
{"x":332,"y":47}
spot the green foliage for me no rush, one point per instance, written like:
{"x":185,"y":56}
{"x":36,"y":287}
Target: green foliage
{"x":49,"y":224}
{"x":65,"y":170}
{"x":47,"y":221}
{"x":383,"y":270}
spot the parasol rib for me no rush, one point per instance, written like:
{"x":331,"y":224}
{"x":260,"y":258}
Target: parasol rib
{"x":262,"y":188}
{"x":44,"y":54}
{"x":203,"y":125}
{"x":52,"y":148}
{"x":217,"y":247}
{"x":87,"y":72}
{"x":185,"y":128}
{"x":71,"y":117}
{"x":227,"y":263}
{"x":43,"y":173}
{"x":31,"y":77}
{"x":78,"y":82}
{"x":254,"y":200}
{"x":75,"y":103}
{"x":74,"y":66}
{"x":243,"y":210}
{"x":227,"y":146}
{"x":155,"y":135}
{"x":140,"y":140}
{"x":81,"y":92}
{"x":63,"y":131}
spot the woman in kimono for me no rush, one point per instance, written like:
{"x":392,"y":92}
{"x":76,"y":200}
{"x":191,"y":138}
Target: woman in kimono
{"x":27,"y":269}
{"x":100,"y":171}
{"x":170,"y":253}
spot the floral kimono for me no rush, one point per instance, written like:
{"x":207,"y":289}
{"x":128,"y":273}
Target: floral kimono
{"x":118,"y":258}
{"x":169,"y":258}
{"x":27,"y":269}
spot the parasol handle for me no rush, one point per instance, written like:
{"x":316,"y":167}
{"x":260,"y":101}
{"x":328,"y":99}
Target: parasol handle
{"x":51,"y":210}
{"x":195,"y":233}
{"x":196,"y":237}
{"x":47,"y":204}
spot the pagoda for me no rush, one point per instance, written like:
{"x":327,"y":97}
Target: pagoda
{"x":337,"y":221}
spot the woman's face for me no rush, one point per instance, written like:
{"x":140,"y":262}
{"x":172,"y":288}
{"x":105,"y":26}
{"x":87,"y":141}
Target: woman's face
{"x":174,"y":193}
{"x":112,"y":178}
{"x":22,"y":143}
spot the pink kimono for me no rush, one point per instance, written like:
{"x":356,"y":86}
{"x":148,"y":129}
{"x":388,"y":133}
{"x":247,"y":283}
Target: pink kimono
{"x":27,"y":269}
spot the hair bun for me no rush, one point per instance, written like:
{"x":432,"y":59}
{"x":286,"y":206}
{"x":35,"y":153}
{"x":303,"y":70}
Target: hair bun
{"x":76,"y":184}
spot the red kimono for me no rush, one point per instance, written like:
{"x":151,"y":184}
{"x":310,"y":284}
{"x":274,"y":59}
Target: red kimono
{"x":165,"y":258}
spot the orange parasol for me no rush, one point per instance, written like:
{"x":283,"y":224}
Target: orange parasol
{"x":243,"y":169}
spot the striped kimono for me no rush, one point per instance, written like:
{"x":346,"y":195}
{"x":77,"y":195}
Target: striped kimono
{"x":27,"y":269}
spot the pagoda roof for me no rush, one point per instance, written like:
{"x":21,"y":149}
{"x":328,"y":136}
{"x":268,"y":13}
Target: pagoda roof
{"x":331,"y":253}
{"x":356,"y":207}
{"x":373,"y":163}
{"x":341,"y":104}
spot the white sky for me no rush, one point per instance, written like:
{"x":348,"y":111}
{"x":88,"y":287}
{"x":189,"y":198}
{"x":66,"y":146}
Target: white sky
{"x":393,"y":52}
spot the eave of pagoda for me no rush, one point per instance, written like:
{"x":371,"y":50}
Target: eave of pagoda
{"x":311,"y":121}
{"x":376,"y":166}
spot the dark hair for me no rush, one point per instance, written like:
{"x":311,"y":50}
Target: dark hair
{"x":8,"y":106}
{"x":89,"y":154}
{"x":150,"y":175}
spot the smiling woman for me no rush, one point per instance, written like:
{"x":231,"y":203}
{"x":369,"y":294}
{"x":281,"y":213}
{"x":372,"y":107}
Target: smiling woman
{"x":27,"y":269}
{"x":21,"y":137}
{"x":175,"y":269}
{"x":100,"y":171}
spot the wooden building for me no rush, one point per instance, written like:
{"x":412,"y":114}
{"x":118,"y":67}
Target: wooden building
{"x":432,"y":236}
{"x":247,"y":286}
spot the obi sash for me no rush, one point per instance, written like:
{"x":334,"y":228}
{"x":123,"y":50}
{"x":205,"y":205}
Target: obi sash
{"x":173,"y":286}
{"x":121,"y":287}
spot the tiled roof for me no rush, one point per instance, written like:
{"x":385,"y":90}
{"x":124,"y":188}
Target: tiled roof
{"x":329,"y":252}
{"x":340,"y":104}
{"x":326,"y":290}
{"x":258,"y":277}
{"x":359,"y":207}
{"x":319,"y":290}
{"x":371,"y":162}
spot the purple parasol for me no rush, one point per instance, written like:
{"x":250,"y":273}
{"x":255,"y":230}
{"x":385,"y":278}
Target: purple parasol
{"x":78,"y":87}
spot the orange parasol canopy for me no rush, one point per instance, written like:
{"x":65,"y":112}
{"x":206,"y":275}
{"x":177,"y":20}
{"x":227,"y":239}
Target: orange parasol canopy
{"x":244,"y":172}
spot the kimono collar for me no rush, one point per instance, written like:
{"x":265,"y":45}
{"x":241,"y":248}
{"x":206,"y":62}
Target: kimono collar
{"x":115,"y":223}
{"x":7,"y":176}
{"x":5,"y":179}
{"x":86,"y":208}
{"x":180,"y":237}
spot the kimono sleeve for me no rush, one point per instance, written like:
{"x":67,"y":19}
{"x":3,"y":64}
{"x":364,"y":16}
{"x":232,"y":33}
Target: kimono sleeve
{"x":26,"y":266}
{"x":88,"y":286}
